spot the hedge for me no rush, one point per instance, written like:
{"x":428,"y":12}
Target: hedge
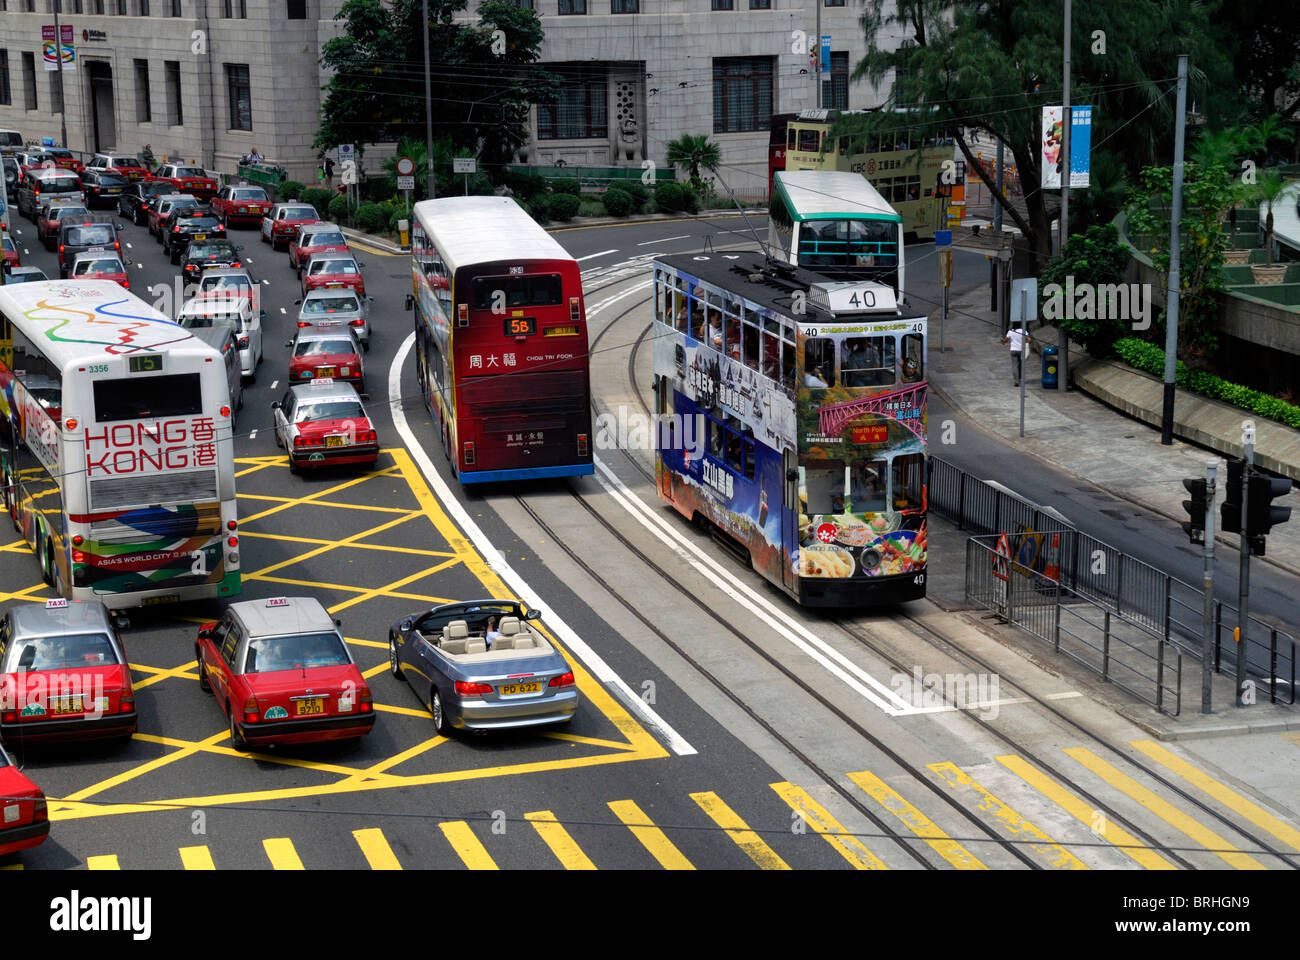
{"x":591,"y":208}
{"x":371,"y":217}
{"x":318,"y":197}
{"x":567,"y":185}
{"x":633,"y":188}
{"x":563,"y":206}
{"x":290,"y":190}
{"x":339,"y":210}
{"x":1147,"y":356}
{"x":618,"y":203}
{"x":671,"y":197}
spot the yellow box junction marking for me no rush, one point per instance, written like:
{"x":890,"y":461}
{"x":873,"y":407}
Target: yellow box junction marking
{"x":1165,"y":810}
{"x":280,"y":851}
{"x":916,"y":821}
{"x":820,"y":819}
{"x":467,"y":846}
{"x":197,"y":858}
{"x":1095,"y":820}
{"x":378,"y":853}
{"x":106,"y":862}
{"x":652,"y":838}
{"x":564,"y":847}
{"x":739,"y":831}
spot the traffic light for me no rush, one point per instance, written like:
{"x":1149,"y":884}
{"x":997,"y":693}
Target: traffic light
{"x":1261,"y":515}
{"x":1230,"y":511}
{"x":1195,"y":507}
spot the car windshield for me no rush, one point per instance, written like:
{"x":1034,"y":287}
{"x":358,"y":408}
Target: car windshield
{"x":330,"y":305}
{"x":225,"y":283}
{"x":33,"y":277}
{"x":61,"y":154}
{"x":326,"y":237}
{"x":334,"y":266}
{"x":206,"y":248}
{"x":61,"y":652}
{"x":58,"y":213}
{"x":309,"y":348}
{"x":61,"y":185}
{"x":299,"y":213}
{"x":111,"y":180}
{"x":200,"y":223}
{"x":190,"y":172}
{"x":94,"y":234}
{"x":329,"y":410}
{"x":123,"y":162}
{"x":184,"y":204}
{"x":9,"y":244}
{"x":106,"y":265}
{"x":151,"y":188}
{"x":268,"y":654}
{"x":251,"y":194}
{"x":211,"y":320}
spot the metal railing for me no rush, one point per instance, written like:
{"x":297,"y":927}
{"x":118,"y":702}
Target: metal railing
{"x":1096,"y":571}
{"x":1123,"y":651}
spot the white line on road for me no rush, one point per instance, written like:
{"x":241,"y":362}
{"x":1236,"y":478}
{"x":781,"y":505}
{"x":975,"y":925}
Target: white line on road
{"x":593,"y":256}
{"x":282,"y":310}
{"x":129,"y":247}
{"x":274,"y":384}
{"x":599,"y":668}
{"x":252,"y":433}
{"x":684,"y":236}
{"x":267,"y":282}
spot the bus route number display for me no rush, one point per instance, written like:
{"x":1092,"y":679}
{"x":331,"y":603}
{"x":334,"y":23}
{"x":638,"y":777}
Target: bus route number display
{"x":520,"y":326}
{"x":145,"y":363}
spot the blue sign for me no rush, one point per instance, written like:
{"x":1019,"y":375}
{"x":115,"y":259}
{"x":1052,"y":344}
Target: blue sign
{"x":943,"y":238}
{"x":826,"y":52}
{"x":1080,"y":145}
{"x":47,"y":141}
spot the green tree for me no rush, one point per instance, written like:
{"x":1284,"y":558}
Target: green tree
{"x":693,"y":152}
{"x":1098,"y":258}
{"x":1267,"y":190}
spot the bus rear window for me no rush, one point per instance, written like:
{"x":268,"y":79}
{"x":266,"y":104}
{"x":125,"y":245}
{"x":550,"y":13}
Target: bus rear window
{"x":147,"y":398}
{"x":537,"y":290}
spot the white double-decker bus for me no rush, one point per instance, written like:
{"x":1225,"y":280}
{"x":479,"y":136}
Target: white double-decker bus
{"x":116,"y":446}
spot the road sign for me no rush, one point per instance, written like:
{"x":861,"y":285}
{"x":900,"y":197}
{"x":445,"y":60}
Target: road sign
{"x":405,"y":167}
{"x":1026,"y":304}
{"x":943,"y":238}
{"x":464,"y":165}
{"x":347,"y":151}
{"x":1002,"y":558}
{"x":406,"y":183}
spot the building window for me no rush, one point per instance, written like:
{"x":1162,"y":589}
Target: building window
{"x":29,"y":79}
{"x":760,"y":4}
{"x":143,"y":106}
{"x":241,"y":98}
{"x":579,"y":113}
{"x":176,"y":8}
{"x":175,"y":109}
{"x":97,"y":7}
{"x":29,"y":6}
{"x":723,"y":5}
{"x":832,"y":3}
{"x":835,"y":90}
{"x":144,"y":8}
{"x":742,"y":94}
{"x":234,"y":9}
{"x":297,"y":9}
{"x":524,"y":4}
{"x":624,"y":6}
{"x":573,"y":7}
{"x":6,"y":91}
{"x":121,"y":8}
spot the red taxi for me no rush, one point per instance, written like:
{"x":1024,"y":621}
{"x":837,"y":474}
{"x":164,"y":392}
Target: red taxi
{"x":323,"y":423}
{"x":313,"y":239}
{"x":129,"y":167}
{"x":99,"y":266}
{"x":241,"y":204}
{"x":328,"y":271}
{"x":282,"y":223}
{"x":187,"y":179}
{"x":24,"y":816}
{"x":11,"y":251}
{"x":281,"y":672}
{"x":64,"y":674}
{"x":65,"y":159}
{"x":326,"y":354}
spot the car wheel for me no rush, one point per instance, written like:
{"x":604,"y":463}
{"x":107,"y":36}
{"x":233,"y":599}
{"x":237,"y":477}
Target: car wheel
{"x":440,"y":724}
{"x":203,"y":674}
{"x":394,"y":665}
{"x":43,"y":554}
{"x":264,"y":237}
{"x":175,"y":255}
{"x":236,"y":741}
{"x":11,"y":502}
{"x":135,"y":218}
{"x":365,"y":345}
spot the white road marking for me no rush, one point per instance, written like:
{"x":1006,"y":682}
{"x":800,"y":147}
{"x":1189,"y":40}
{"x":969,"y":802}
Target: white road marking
{"x":274,"y":384}
{"x":129,"y":247}
{"x":252,"y":434}
{"x":282,"y":310}
{"x":267,"y":282}
{"x":647,"y":243}
{"x":139,"y":266}
{"x":593,"y":256}
{"x":599,"y":668}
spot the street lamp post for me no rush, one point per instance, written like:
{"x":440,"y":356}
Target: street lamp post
{"x":428,"y":103}
{"x":63,"y":100}
{"x":1064,"y":360}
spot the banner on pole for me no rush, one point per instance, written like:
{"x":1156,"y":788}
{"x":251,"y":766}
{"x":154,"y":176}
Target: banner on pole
{"x":1051,"y":162}
{"x":69,"y":56}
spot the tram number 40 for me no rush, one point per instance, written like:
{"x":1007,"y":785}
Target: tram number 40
{"x":919,"y":579}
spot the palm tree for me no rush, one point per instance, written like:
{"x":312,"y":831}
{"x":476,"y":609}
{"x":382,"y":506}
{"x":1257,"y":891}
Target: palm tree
{"x":1260,"y":137}
{"x":1267,"y":189}
{"x":694,"y":152}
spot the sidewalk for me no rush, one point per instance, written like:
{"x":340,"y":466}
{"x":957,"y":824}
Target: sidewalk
{"x":1072,"y":430}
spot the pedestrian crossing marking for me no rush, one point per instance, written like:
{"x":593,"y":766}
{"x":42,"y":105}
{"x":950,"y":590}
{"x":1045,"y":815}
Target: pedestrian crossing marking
{"x":651,"y":837}
{"x":763,"y":856}
{"x":1086,"y":814}
{"x":1225,"y":795}
{"x":377,"y":852}
{"x":1165,"y":810}
{"x":1009,"y":820}
{"x":106,"y":862}
{"x":467,"y":846}
{"x":558,"y":839}
{"x":280,"y":851}
{"x":820,"y":819}
{"x":916,"y":821}
{"x":197,"y":858}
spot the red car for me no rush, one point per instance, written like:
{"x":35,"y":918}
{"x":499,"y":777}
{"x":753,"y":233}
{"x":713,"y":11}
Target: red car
{"x":65,"y":159}
{"x":241,"y":204}
{"x":65,"y":674}
{"x":327,"y":271}
{"x":99,"y":266}
{"x":187,"y":179}
{"x":323,"y":423}
{"x":129,"y":167}
{"x":281,"y":672}
{"x":326,"y":354}
{"x":24,"y":817}
{"x":313,"y":239}
{"x":282,"y":223}
{"x":11,"y":251}
{"x":49,"y":218}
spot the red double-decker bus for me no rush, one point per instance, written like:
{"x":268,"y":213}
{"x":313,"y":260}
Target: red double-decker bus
{"x":501,"y":341}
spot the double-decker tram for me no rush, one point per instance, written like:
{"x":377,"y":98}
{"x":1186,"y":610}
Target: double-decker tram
{"x":501,"y":341}
{"x":116,"y":446}
{"x":793,"y":418}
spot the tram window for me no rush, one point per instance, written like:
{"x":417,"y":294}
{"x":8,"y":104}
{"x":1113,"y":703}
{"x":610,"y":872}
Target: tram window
{"x":731,"y":334}
{"x":715,"y":328}
{"x":868,"y":361}
{"x":844,"y":145}
{"x":823,"y":487}
{"x":808,"y":141}
{"x":913,"y":358}
{"x":697,"y":314}
{"x":750,"y":336}
{"x":867,"y":486}
{"x":914,"y":188}
{"x":734,"y":445}
{"x":907,"y":477}
{"x":749,"y":460}
{"x":793,"y":139}
{"x":715,"y":438}
{"x":679,"y":307}
{"x":659,"y":296}
{"x":787,"y":367}
{"x":771,"y":356}
{"x":819,"y":362}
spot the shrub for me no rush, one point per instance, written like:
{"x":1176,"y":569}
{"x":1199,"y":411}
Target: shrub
{"x":563,"y":206}
{"x":318,"y":197}
{"x":290,"y":190}
{"x":338,"y":209}
{"x":398,"y":214}
{"x":371,"y":217}
{"x":1094,"y":257}
{"x":670,"y":197}
{"x":1147,"y":356}
{"x":567,"y":185}
{"x":633,"y":188}
{"x":590,"y":208}
{"x":618,"y":203}
{"x":524,"y":186}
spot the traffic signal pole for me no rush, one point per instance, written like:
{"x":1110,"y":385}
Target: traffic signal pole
{"x":1207,"y":616}
{"x":1243,"y":583}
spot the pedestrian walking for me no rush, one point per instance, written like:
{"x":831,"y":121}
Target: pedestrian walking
{"x":327,"y":171}
{"x":1019,"y":339}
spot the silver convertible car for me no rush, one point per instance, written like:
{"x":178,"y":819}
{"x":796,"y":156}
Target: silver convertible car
{"x":473,"y":680}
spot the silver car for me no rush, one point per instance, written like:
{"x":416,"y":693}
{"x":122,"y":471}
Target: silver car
{"x":474,"y":677}
{"x":336,"y":308}
{"x":237,"y":312}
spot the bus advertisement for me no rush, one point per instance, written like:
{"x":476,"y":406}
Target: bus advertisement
{"x":116,"y":446}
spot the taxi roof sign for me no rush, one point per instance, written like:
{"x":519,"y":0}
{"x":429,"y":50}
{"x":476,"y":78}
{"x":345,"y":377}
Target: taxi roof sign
{"x":56,"y":604}
{"x":321,"y":381}
{"x":277,"y":602}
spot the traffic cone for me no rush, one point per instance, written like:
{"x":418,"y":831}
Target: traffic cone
{"x":1053,"y":569}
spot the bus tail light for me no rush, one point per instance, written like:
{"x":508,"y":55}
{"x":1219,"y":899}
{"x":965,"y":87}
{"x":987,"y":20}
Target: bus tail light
{"x":225,"y":411}
{"x":231,"y":524}
{"x":78,"y":556}
{"x":574,"y":313}
{"x":582,"y":444}
{"x":469,"y":452}
{"x":462,"y":315}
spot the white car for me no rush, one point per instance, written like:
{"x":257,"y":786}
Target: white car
{"x":237,"y":313}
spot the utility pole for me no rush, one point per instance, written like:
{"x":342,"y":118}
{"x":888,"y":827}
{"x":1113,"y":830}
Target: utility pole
{"x":1171,"y":295}
{"x":1024,"y":353}
{"x":1243,"y":582}
{"x":817,"y":58}
{"x":428,"y":103}
{"x":1067,"y":119}
{"x":1207,"y":613}
{"x":997,"y":228}
{"x":63,"y":100}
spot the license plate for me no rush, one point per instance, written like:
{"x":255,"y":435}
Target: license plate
{"x":61,"y":705}
{"x":560,"y":332}
{"x":165,"y":598}
{"x":513,"y":689}
{"x":324,"y":371}
{"x":333,"y":441}
{"x":200,"y":236}
{"x":334,"y":286}
{"x":305,"y":708}
{"x":113,"y":190}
